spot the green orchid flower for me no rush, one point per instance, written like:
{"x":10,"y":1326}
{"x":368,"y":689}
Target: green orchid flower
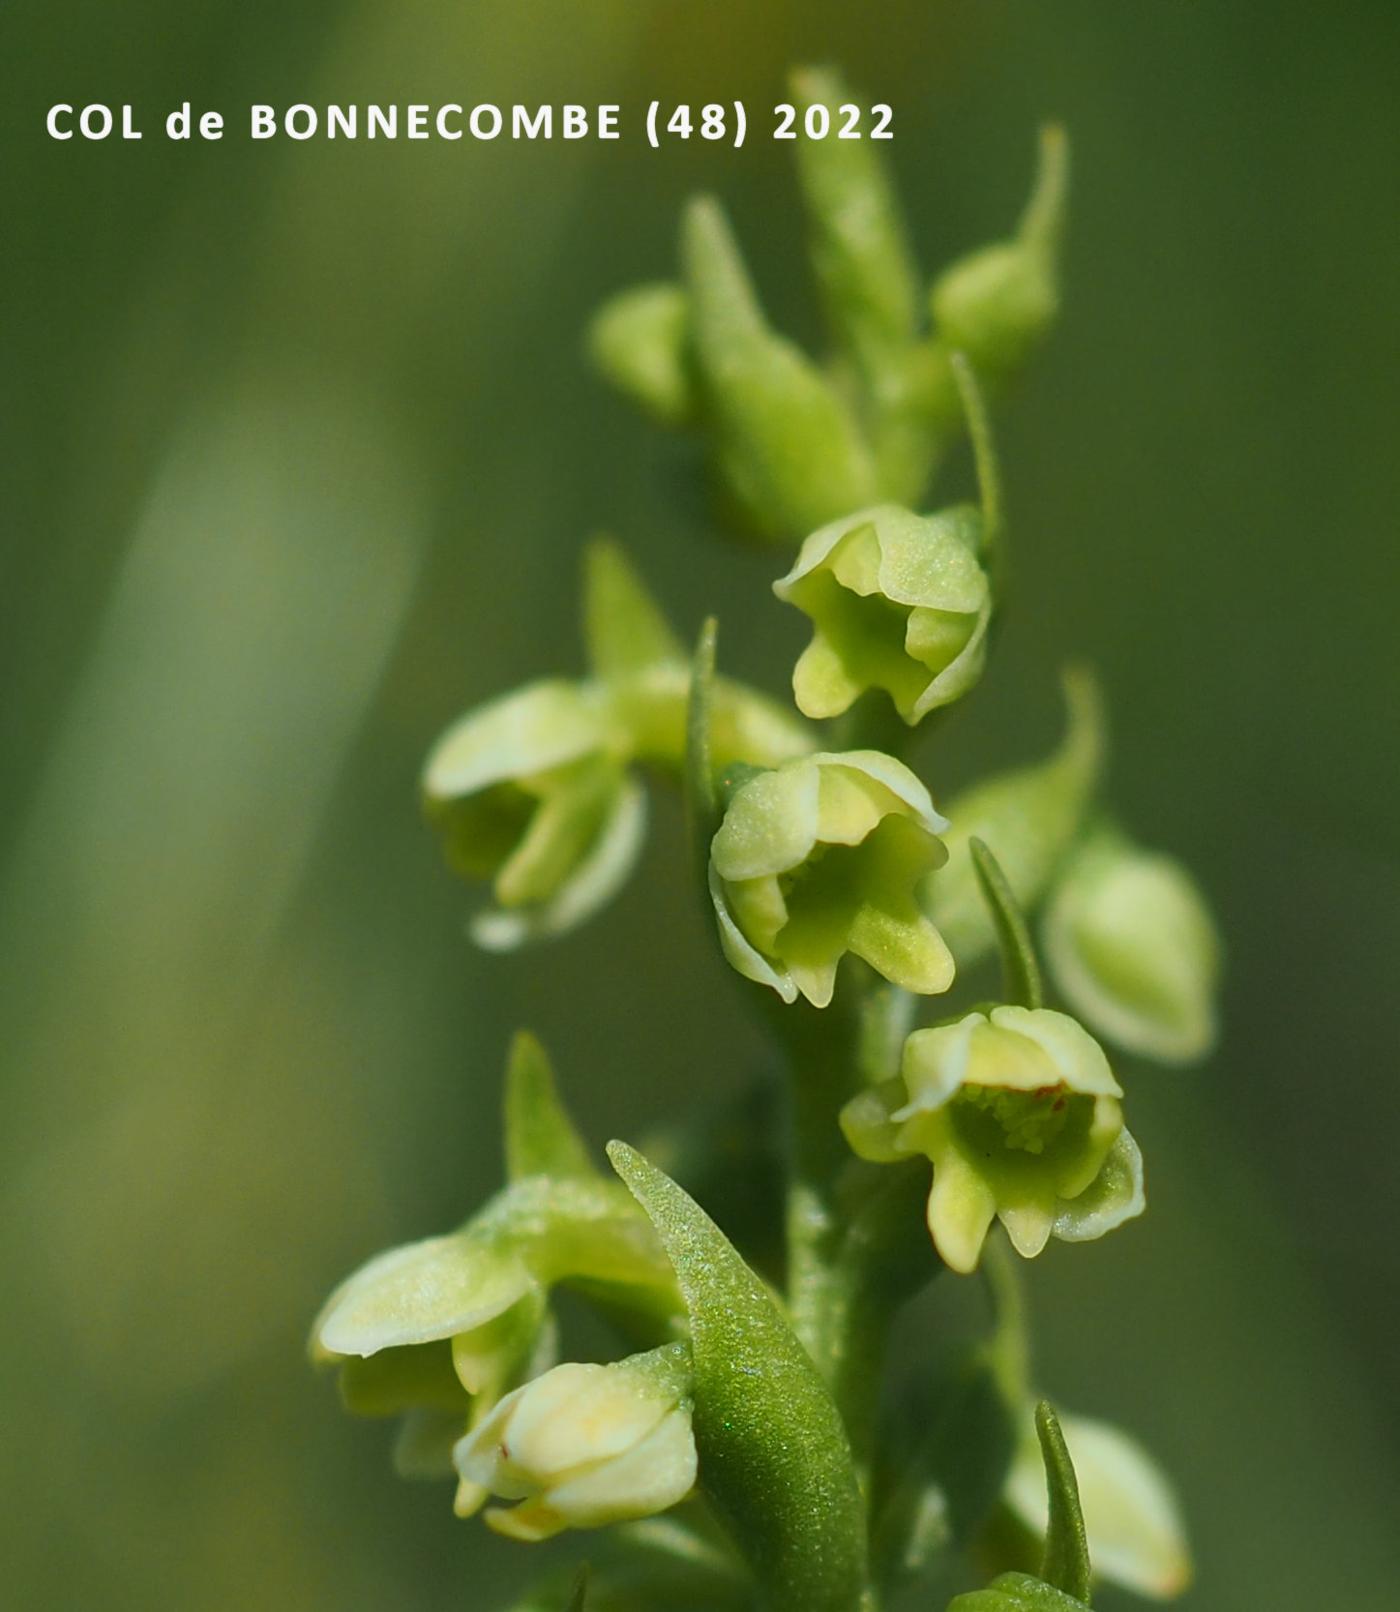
{"x":1021,"y":1118}
{"x":820,"y":857}
{"x":435,"y":1332}
{"x":530,"y":792}
{"x":898,"y":602}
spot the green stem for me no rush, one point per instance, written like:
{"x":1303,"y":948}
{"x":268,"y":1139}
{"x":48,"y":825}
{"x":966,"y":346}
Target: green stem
{"x":823,"y":1049}
{"x":850,"y":1266}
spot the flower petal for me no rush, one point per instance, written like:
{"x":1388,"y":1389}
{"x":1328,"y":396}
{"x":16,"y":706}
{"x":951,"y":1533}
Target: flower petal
{"x":417,"y":1294}
{"x":868,"y":1123}
{"x":1116,"y":1195}
{"x":740,"y":954}
{"x":961,"y":1207}
{"x":771,"y":823}
{"x":536,"y":728}
{"x":656,"y":1473}
{"x":1078,"y":1058}
{"x":593,"y":883}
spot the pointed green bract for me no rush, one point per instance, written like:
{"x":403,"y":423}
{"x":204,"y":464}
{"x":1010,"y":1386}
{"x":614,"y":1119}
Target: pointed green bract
{"x":979,"y":431}
{"x":774,"y":1456}
{"x":540,"y":1138}
{"x":1019,"y":968}
{"x":1136,"y":1534}
{"x":625,"y":629}
{"x":1066,"y":1564}
{"x":701,"y":802}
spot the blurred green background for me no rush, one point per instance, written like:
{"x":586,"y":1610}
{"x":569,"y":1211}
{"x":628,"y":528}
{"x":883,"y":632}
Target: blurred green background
{"x":298,"y":453}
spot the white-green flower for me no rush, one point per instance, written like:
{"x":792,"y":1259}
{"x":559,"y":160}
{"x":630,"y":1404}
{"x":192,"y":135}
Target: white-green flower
{"x":531,"y":794}
{"x":1021,"y":1117}
{"x":434,"y":1331}
{"x":820,"y":857}
{"x":898,"y":602}
{"x":586,"y":1445}
{"x":1132,"y":945}
{"x":1136,"y":1534}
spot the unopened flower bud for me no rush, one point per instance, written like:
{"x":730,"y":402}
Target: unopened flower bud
{"x":997,"y":304}
{"x":1020,"y":1115}
{"x":898,"y":602}
{"x":640,"y":340}
{"x":587,"y":1445}
{"x":1131,"y":944}
{"x":530,"y":793}
{"x":822,"y":856}
{"x":860,"y":249}
{"x":787,"y":449}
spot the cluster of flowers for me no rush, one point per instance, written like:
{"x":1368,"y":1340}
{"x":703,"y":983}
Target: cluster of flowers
{"x":818,"y":853}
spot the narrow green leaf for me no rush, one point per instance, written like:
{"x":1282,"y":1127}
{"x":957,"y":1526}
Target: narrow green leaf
{"x":979,"y":430}
{"x":579,"y":1597}
{"x":1066,"y":1563}
{"x":541,"y":1139}
{"x":701,"y":800}
{"x":774,"y":1456}
{"x":623,"y":626}
{"x":1019,"y":969}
